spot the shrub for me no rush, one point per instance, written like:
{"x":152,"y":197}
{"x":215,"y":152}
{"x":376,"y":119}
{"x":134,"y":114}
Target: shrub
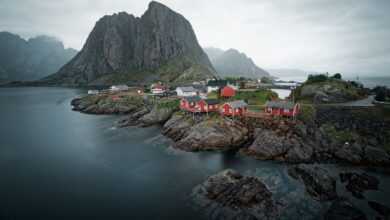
{"x":337,"y":76}
{"x":317,"y":78}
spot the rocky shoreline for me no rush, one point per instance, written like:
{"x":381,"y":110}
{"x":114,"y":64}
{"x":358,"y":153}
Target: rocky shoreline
{"x":264,"y":139}
{"x":231,"y":195}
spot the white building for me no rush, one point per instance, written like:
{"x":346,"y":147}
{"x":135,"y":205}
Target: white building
{"x":93,"y":92}
{"x":117,"y":88}
{"x":158,"y":89}
{"x":186,"y":91}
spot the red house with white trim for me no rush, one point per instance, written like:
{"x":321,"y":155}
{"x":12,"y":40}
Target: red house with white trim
{"x":196,"y":104}
{"x":235,"y":108}
{"x":228,"y":92}
{"x":282,"y":108}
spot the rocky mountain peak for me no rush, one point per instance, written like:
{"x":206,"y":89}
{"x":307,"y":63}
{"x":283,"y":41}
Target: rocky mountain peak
{"x":158,"y":46}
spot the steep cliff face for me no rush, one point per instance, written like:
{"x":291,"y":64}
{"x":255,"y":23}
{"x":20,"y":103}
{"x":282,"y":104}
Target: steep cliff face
{"x":232,"y":63}
{"x":159,"y":45}
{"x":31,"y":59}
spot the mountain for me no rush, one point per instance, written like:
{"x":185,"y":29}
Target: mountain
{"x":232,"y":63}
{"x":158,"y":46}
{"x":31,"y":59}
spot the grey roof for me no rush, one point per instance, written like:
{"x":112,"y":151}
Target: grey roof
{"x":187,"y":89}
{"x":193,"y":99}
{"x":200,"y":88}
{"x":219,"y":83}
{"x":280,"y":104}
{"x":211,"y":101}
{"x":238,"y":104}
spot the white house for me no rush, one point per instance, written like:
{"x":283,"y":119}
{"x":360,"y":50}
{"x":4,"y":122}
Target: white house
{"x":158,"y":89}
{"x":93,"y":92}
{"x":215,"y":85}
{"x":117,"y":88}
{"x":186,"y":91}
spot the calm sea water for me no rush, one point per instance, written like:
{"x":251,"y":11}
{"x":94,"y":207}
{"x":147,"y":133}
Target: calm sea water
{"x":56,"y":163}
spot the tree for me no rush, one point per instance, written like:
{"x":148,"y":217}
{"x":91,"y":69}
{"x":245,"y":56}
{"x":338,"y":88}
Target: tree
{"x":337,"y":76}
{"x":380,"y":93}
{"x":317,"y":78}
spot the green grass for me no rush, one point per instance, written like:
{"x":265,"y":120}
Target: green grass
{"x":169,"y":103}
{"x":341,"y":136}
{"x":257,"y":97}
{"x":307,"y":113}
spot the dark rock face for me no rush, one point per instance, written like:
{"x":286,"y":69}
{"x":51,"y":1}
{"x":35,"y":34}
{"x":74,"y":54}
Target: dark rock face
{"x":318,"y":182}
{"x":160,"y":44}
{"x":229,"y":195}
{"x":380,"y":209}
{"x":31,"y":59}
{"x":358,"y":183}
{"x":206,"y":134}
{"x":343,"y":209}
{"x":233,"y":63}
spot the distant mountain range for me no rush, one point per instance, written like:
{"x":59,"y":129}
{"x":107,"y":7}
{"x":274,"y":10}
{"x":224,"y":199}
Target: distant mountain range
{"x":232,"y":63}
{"x":158,"y":46}
{"x":31,"y":59}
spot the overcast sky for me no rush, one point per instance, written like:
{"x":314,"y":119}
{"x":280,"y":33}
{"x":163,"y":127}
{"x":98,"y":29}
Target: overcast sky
{"x":348,"y":36}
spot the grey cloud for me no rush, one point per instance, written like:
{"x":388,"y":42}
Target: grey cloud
{"x":324,"y":35}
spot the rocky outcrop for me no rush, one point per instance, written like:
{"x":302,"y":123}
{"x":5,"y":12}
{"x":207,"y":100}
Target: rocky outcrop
{"x":318,"y":182}
{"x":358,"y":183}
{"x":205,"y":134}
{"x":342,"y":209}
{"x":230,"y":195}
{"x":157,"y":115}
{"x":159,"y":45}
{"x":107,"y":104}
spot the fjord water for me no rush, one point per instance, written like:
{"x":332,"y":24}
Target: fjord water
{"x":55,"y":162}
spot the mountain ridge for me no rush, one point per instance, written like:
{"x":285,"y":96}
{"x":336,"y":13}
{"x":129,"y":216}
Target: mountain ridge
{"x":31,"y":59}
{"x":233,"y":63}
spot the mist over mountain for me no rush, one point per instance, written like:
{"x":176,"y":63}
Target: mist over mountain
{"x":232,"y":63}
{"x":31,"y":59}
{"x":158,"y":46}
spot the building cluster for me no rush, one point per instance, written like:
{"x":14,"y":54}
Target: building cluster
{"x":194,"y":99}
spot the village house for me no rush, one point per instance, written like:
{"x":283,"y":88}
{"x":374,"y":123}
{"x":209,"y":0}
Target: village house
{"x":158,"y":89}
{"x":215,"y":85}
{"x":189,"y":103}
{"x":196,"y":104}
{"x":186,"y":91}
{"x":228,"y":92}
{"x":201,"y":90}
{"x":282,"y":108}
{"x":93,"y":92}
{"x":118,"y":88}
{"x":234,"y":108}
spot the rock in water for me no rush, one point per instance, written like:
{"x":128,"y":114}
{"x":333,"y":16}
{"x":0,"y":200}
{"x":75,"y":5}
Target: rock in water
{"x":358,"y":183}
{"x":343,"y":209}
{"x":229,"y":195}
{"x":317,"y":180}
{"x":159,"y":45}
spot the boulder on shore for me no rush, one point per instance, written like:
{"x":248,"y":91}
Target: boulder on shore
{"x":318,"y":182}
{"x":230,"y":195}
{"x":206,"y":134}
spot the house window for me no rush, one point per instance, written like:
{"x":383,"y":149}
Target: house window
{"x":286,"y":110}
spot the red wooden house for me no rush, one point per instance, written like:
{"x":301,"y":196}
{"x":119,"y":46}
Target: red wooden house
{"x":208,"y":105}
{"x":196,"y":104}
{"x":228,"y":92}
{"x":235,"y":108}
{"x":282,"y":108}
{"x":190,"y":103}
